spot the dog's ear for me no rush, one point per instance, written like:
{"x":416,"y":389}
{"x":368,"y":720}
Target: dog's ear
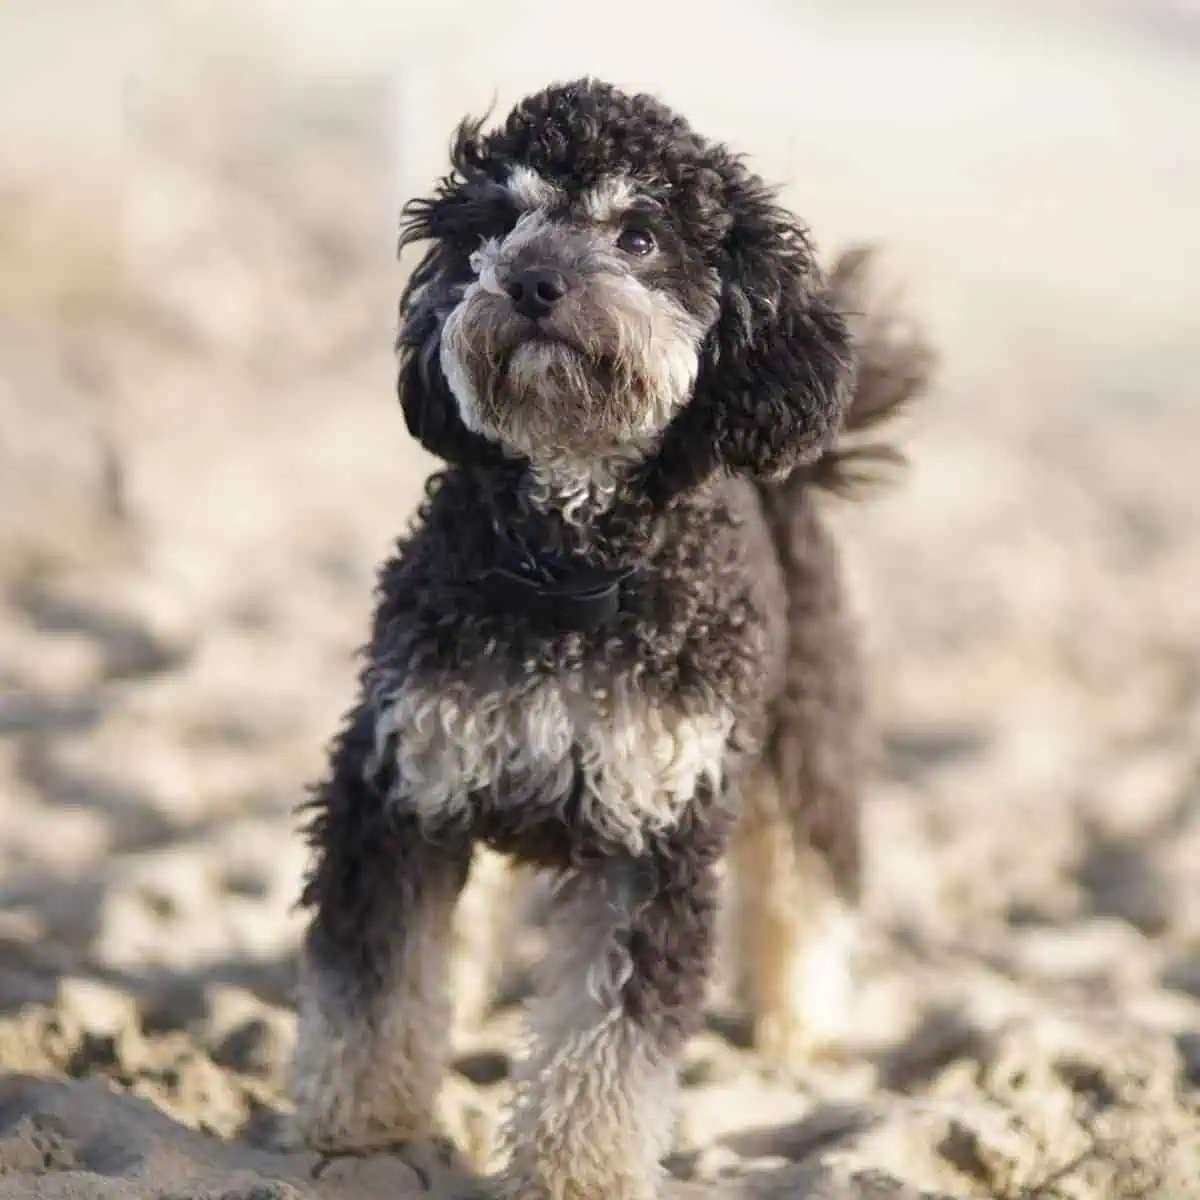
{"x":776,"y":372}
{"x":430,"y":409}
{"x":432,"y":290}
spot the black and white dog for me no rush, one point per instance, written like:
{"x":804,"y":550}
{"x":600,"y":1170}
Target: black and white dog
{"x":613,"y":644}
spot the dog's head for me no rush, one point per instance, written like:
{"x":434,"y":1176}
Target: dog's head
{"x":602,"y":283}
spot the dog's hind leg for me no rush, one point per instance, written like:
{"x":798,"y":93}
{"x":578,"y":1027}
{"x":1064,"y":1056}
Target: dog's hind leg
{"x":374,"y":1018}
{"x":796,"y":850}
{"x":794,"y":934}
{"x":482,"y":934}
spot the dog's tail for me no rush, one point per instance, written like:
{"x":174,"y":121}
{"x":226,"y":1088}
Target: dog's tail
{"x":818,"y":742}
{"x":895,"y":364}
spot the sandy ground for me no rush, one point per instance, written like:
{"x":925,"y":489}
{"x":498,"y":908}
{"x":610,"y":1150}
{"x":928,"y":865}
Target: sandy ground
{"x":200,"y":465}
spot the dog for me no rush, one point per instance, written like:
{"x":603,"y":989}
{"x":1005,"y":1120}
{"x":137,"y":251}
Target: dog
{"x":613,"y":645}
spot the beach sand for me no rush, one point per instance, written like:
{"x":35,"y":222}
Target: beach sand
{"x":201,"y":464}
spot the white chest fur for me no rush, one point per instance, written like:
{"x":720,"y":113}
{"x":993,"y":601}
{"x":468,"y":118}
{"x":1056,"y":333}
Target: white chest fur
{"x":640,"y":762}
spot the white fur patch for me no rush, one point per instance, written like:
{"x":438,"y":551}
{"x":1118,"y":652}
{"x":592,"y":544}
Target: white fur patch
{"x":455,"y":369}
{"x":483,"y":263}
{"x":453,"y":363}
{"x":530,"y":190}
{"x":641,"y":762}
{"x":609,"y":199}
{"x":579,"y":487}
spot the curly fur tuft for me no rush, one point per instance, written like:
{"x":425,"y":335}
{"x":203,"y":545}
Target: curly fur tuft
{"x":894,"y":365}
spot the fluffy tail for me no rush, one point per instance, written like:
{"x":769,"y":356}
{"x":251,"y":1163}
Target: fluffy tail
{"x":895,"y":365}
{"x":818,"y":745}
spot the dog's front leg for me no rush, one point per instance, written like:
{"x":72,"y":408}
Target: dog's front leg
{"x":374,"y":1011}
{"x":621,"y":988}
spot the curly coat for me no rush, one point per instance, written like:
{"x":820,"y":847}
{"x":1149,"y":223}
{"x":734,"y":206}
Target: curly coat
{"x":718,"y":694}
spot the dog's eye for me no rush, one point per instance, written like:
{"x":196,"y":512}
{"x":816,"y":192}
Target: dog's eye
{"x":635,"y":241}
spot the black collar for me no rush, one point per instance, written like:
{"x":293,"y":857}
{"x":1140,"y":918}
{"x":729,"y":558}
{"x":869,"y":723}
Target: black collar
{"x":557,"y":593}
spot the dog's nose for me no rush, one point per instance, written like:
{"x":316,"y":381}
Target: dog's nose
{"x":534,"y":292}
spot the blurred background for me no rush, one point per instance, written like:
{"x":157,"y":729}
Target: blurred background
{"x":201,"y":463}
